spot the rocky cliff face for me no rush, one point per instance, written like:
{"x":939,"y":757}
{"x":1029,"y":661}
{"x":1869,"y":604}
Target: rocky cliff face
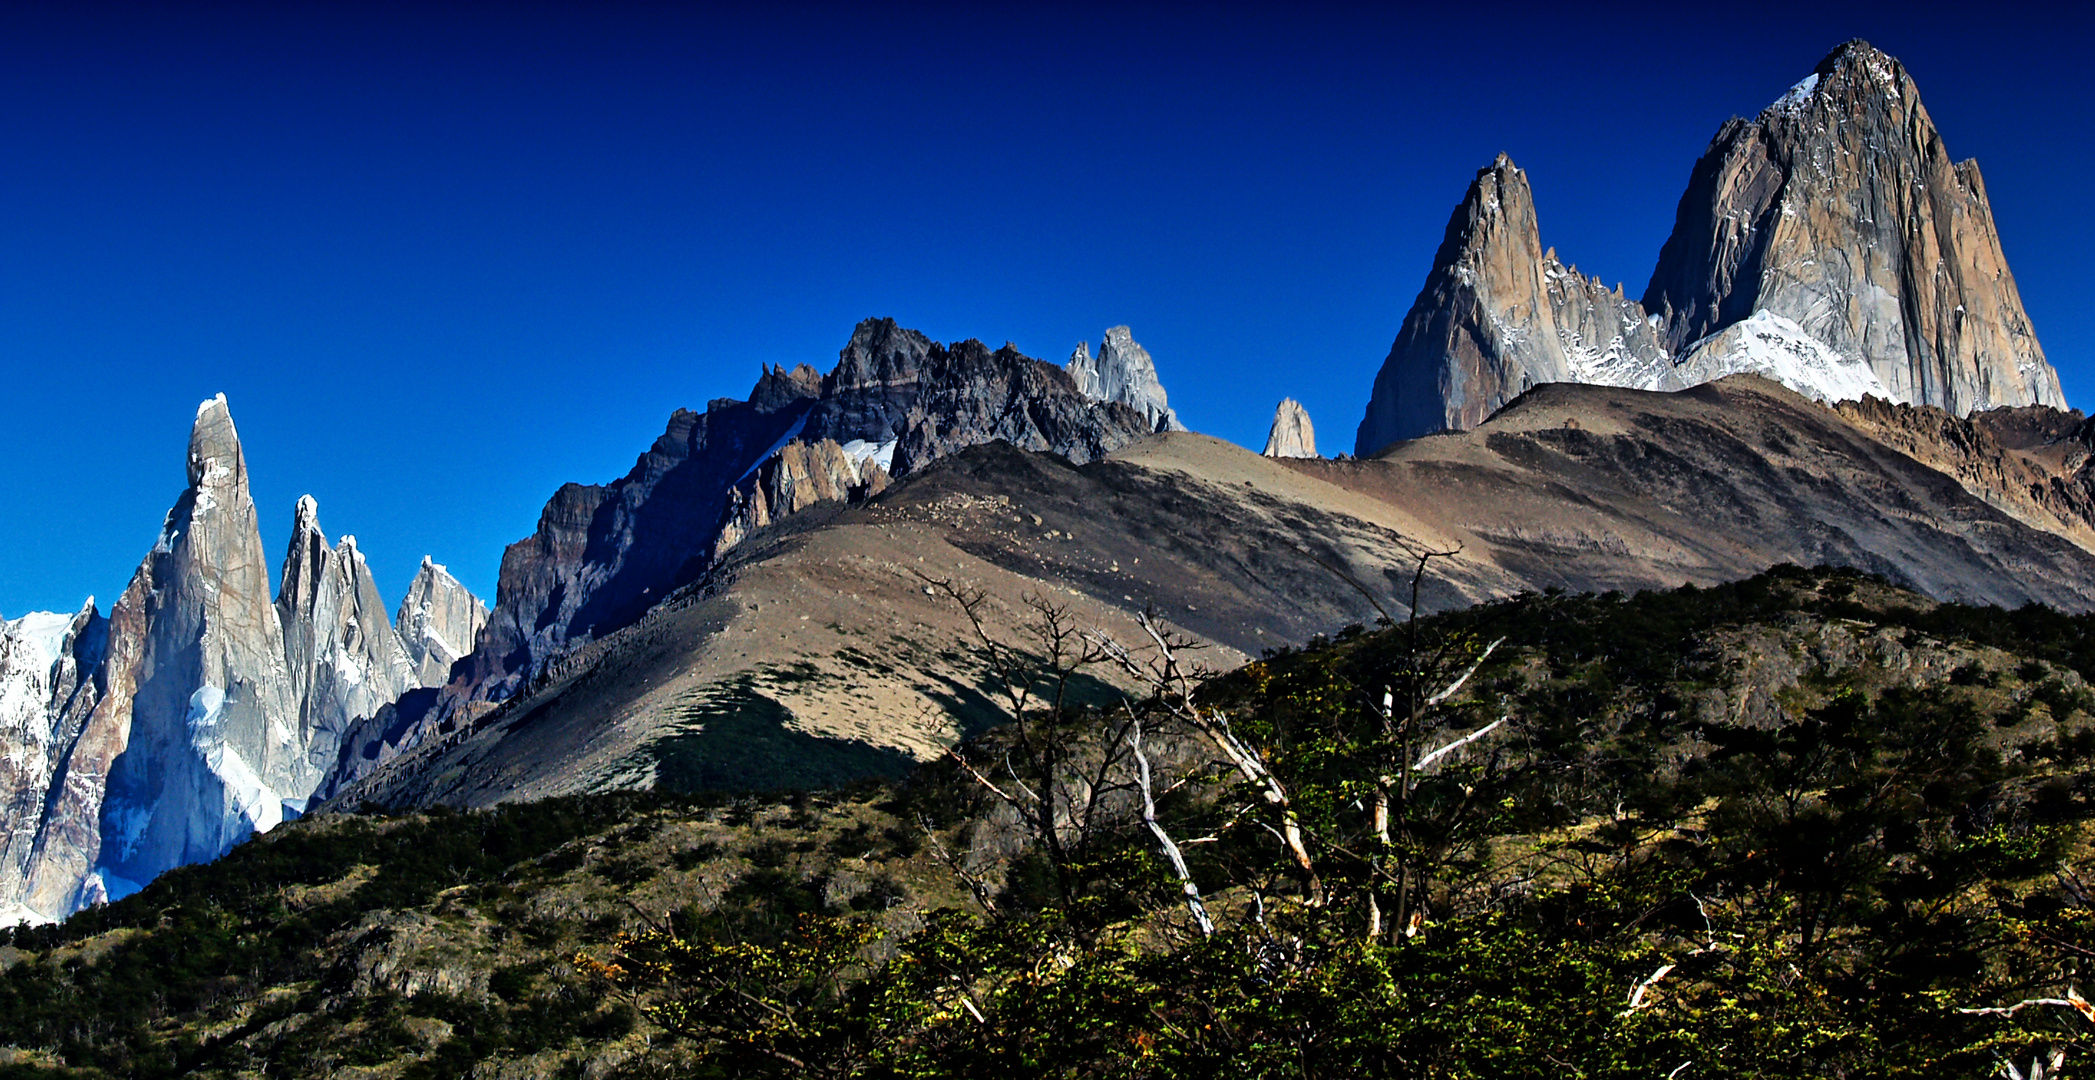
{"x":438,"y":622}
{"x":216,"y":747}
{"x":603,"y":555}
{"x":1292,"y":435}
{"x":1838,"y":209}
{"x":2035,"y":463}
{"x":1123,"y":372}
{"x":1829,"y":244}
{"x":47,"y":689}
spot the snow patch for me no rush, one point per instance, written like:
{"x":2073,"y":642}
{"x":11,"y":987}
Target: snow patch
{"x":1776,"y":348}
{"x":257,"y":802}
{"x":208,"y":403}
{"x":23,"y":915}
{"x":43,"y":631}
{"x":1792,"y":102}
{"x":204,"y":706}
{"x":434,"y":644}
{"x":860,"y":451}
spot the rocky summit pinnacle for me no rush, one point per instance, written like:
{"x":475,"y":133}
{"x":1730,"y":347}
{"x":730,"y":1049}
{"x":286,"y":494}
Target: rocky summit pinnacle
{"x":202,"y":714}
{"x":1125,"y":373}
{"x":1829,"y":243}
{"x":438,"y":622}
{"x":344,"y":660}
{"x":1498,"y":315}
{"x":1292,"y":435}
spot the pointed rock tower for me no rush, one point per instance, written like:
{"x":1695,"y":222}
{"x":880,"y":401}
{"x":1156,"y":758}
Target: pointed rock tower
{"x":1292,"y":435}
{"x":438,"y":622}
{"x":214,"y":749}
{"x":1497,"y":316}
{"x":343,"y":658}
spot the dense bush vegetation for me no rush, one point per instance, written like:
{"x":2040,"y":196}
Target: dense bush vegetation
{"x":1802,"y":825}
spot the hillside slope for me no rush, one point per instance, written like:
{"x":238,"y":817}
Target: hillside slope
{"x":823,"y":648}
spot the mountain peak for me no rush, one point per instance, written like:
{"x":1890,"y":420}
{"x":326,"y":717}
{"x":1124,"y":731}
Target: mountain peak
{"x":1123,"y":372}
{"x":1837,"y":211}
{"x":1856,"y":57}
{"x":306,"y":518}
{"x":213,"y":439}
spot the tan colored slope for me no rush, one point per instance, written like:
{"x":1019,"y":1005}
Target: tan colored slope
{"x":815,"y":652}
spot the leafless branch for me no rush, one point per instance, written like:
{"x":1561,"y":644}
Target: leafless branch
{"x":1149,"y":818}
{"x":1458,"y":744}
{"x":1452,"y":688}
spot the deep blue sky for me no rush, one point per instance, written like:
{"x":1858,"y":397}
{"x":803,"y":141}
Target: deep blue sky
{"x":443,"y":258}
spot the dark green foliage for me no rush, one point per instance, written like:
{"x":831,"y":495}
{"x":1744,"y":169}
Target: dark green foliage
{"x":1812,"y":888}
{"x":221,"y":929}
{"x":1803,"y":821}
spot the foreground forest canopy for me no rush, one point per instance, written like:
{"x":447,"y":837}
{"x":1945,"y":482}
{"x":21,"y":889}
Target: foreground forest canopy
{"x":1802,"y":825}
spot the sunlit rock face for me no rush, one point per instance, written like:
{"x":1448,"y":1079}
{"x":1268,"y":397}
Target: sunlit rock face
{"x":1499,"y":315}
{"x":1123,"y":372}
{"x":438,"y":622}
{"x":1837,"y":212}
{"x":344,"y":660}
{"x":1292,"y":435}
{"x":1829,"y":244}
{"x":48,"y":664}
{"x":215,"y":747}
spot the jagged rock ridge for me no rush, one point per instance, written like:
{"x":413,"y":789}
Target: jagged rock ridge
{"x":1498,"y":315}
{"x":824,"y":622}
{"x":896,"y":400}
{"x":438,"y":622}
{"x":48,"y":665}
{"x":1829,"y":244}
{"x":344,"y":659}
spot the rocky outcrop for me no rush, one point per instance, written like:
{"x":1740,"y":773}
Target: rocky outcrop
{"x":344,"y":660}
{"x":799,"y":476}
{"x":1499,"y":315}
{"x":968,"y":395}
{"x":2035,"y":463}
{"x":1124,"y":373}
{"x":1829,"y":244}
{"x":47,"y":689}
{"x":438,"y":622}
{"x":1292,"y":435}
{"x":896,"y":400}
{"x":1838,"y":209}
